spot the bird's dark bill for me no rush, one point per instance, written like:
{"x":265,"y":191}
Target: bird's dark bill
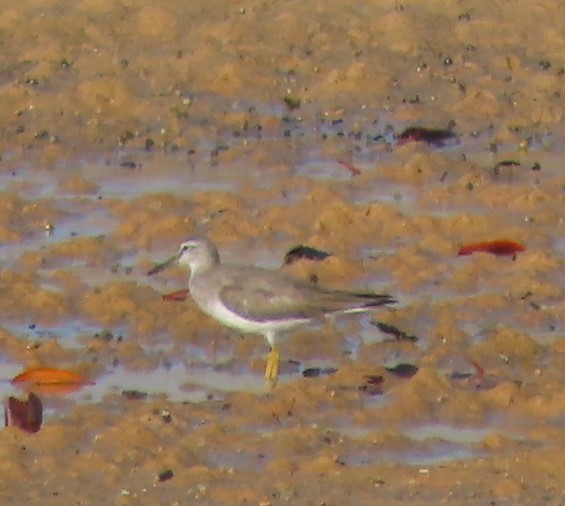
{"x":163,"y":266}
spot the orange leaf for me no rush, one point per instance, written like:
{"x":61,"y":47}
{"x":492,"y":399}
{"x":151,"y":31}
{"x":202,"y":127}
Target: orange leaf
{"x":177,"y":296}
{"x":50,"y":376}
{"x":497,"y":247}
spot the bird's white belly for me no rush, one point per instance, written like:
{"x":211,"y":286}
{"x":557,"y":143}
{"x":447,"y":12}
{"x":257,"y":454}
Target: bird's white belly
{"x":217,"y":310}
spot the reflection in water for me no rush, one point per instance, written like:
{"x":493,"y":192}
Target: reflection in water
{"x":449,"y":433}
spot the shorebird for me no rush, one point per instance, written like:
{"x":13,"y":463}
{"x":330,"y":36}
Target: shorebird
{"x":255,"y":300}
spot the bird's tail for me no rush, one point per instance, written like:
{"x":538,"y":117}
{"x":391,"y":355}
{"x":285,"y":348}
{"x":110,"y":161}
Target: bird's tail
{"x":354,"y":302}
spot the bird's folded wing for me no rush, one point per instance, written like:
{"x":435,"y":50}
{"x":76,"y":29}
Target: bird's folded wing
{"x":267,"y":295}
{"x":263,"y":303}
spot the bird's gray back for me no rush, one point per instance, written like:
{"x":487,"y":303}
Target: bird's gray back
{"x":262,"y":295}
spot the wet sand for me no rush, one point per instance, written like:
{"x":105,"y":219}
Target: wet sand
{"x":126,"y":128}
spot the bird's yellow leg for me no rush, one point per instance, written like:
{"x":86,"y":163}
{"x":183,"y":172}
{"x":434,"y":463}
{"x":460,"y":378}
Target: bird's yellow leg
{"x":272,"y":367}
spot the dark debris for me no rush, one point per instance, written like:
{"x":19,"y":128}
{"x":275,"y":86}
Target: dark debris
{"x":399,"y":335}
{"x":301,"y":252}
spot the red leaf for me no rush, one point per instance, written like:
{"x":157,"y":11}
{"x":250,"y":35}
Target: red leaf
{"x":350,"y":167}
{"x":27,"y":415}
{"x":177,"y":296}
{"x":478,"y":367}
{"x":498,"y":247}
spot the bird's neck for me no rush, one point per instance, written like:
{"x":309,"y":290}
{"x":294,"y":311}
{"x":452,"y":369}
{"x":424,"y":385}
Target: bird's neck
{"x":204,"y":265}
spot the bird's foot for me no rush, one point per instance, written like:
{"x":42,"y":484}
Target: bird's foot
{"x":272,"y":367}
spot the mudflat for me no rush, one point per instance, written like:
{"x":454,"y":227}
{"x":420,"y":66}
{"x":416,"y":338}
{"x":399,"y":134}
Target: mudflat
{"x":127,"y":127}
